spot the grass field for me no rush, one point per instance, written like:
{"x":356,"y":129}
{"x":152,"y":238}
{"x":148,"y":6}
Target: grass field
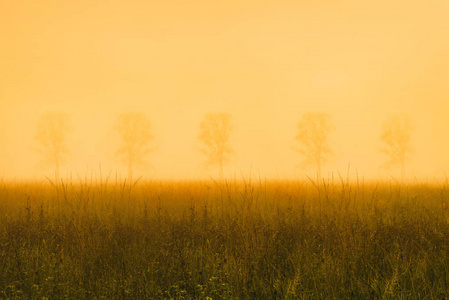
{"x":236,"y":240}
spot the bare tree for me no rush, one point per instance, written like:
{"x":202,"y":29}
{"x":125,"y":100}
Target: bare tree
{"x":396,"y":137}
{"x":313,"y":133}
{"x":135,"y":132}
{"x":215,"y":130}
{"x":51,"y":134}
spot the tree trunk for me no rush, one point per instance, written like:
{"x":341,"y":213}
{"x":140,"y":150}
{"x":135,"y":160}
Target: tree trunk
{"x":130,"y":171}
{"x":402,"y":172}
{"x":56,"y":170}
{"x":318,"y":172}
{"x":220,"y":171}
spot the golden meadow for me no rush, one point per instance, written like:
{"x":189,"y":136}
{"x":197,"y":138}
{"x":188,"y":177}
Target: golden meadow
{"x":237,"y":239}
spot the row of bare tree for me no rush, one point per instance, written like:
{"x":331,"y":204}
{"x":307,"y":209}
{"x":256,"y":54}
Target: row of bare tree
{"x":313,"y":136}
{"x":215,"y":129}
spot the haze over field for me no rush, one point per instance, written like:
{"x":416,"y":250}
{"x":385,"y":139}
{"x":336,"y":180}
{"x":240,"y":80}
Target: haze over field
{"x":266,"y":63}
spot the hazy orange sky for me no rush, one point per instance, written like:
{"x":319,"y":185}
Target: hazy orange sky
{"x":264,"y":62}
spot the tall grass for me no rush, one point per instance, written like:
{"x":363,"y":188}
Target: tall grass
{"x":235,"y":240}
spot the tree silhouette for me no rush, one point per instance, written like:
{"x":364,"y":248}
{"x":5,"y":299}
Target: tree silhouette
{"x":135,"y":132}
{"x":313,"y":133}
{"x":215,"y":130}
{"x":51,"y":133}
{"x":396,"y":137}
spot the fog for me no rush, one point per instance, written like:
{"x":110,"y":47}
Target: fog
{"x":264,"y":63}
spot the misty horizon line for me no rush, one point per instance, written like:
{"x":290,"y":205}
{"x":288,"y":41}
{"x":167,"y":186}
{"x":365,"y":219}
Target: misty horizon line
{"x":117,"y":177}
